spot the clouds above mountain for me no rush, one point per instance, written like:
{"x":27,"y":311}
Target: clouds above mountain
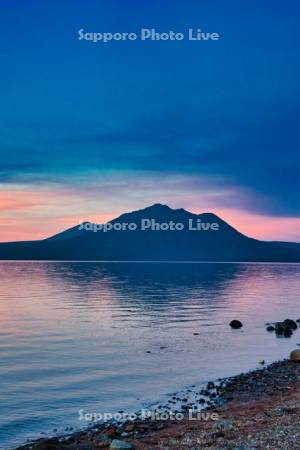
{"x":110,"y":128}
{"x":252,"y":153}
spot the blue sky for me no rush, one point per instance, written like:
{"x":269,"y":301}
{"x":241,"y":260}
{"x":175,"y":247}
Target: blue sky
{"x":92,"y":130}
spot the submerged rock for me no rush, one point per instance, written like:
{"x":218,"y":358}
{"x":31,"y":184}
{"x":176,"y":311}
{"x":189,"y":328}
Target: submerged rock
{"x":236,"y":324}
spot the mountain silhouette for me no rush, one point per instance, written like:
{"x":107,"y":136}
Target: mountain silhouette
{"x":215,"y":241}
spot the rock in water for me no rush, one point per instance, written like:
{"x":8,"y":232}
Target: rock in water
{"x":279,"y":328}
{"x":287,"y":332}
{"x":289,"y":323}
{"x":236,"y":324}
{"x":295,"y":355}
{"x":270,"y":328}
{"x":120,"y":445}
{"x":283,"y":329}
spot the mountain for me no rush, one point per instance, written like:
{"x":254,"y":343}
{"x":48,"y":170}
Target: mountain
{"x":216,"y":240}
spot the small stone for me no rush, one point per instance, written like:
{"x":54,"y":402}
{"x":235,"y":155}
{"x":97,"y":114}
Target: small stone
{"x":85,"y":445}
{"x":102,"y":441}
{"x":111,"y":432}
{"x":270,"y":328}
{"x":103,"y":445}
{"x":129,"y":427}
{"x":120,"y":445}
{"x":47,"y":444}
{"x":295,"y":355}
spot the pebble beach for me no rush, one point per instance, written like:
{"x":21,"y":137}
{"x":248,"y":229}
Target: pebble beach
{"x":255,"y":410}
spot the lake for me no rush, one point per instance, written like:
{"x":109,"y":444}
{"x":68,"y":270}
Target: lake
{"x":75,"y":335}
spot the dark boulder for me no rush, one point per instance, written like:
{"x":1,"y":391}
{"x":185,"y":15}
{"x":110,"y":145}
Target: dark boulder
{"x":236,"y":324}
{"x":289,"y":323}
{"x":270,"y":328}
{"x":287,"y":332}
{"x":279,"y":328}
{"x":283,"y":329}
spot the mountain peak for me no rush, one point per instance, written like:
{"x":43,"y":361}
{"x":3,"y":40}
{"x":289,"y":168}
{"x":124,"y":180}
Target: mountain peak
{"x":156,"y":211}
{"x":158,"y":206}
{"x":166,"y":209}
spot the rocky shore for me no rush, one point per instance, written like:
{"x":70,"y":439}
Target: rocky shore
{"x":255,"y":410}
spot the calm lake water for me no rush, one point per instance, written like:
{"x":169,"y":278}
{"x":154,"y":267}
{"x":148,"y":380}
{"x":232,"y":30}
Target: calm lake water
{"x":75,"y":335}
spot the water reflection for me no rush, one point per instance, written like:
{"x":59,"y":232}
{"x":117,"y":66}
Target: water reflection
{"x":76,"y":335}
{"x":158,"y":284}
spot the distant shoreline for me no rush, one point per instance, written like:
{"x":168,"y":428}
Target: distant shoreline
{"x":107,"y":261}
{"x":154,"y":233}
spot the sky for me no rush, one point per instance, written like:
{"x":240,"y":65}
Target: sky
{"x":91,"y":130}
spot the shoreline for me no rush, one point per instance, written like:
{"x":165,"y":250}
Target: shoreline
{"x":256,"y":409}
